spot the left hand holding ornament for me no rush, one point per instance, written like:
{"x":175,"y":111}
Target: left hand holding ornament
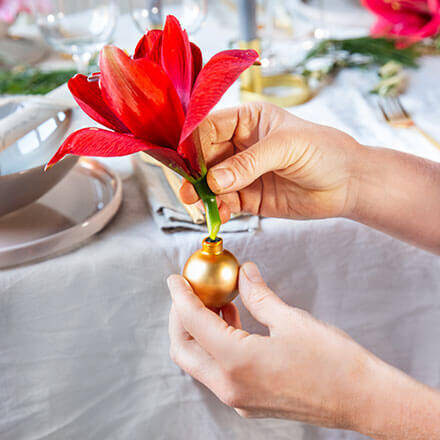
{"x":154,"y":102}
{"x":302,"y":369}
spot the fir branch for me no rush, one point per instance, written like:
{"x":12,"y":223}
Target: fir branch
{"x":378,"y":50}
{"x":32,"y":81}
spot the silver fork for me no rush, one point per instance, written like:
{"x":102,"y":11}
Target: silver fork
{"x":396,"y":115}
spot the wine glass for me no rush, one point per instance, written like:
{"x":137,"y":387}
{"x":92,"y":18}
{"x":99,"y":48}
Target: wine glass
{"x":78,"y":27}
{"x":151,"y":14}
{"x":276,"y":32}
{"x":332,"y":18}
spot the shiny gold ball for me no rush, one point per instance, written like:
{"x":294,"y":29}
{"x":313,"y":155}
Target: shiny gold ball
{"x":213,"y":273}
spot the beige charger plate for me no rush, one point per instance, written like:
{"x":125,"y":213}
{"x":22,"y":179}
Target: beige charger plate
{"x":65,"y":217}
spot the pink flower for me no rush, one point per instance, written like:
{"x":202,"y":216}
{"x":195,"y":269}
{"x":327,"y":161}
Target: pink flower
{"x":9,"y":9}
{"x":407,"y":20}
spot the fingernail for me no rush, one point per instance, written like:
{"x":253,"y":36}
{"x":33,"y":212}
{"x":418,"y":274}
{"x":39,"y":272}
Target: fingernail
{"x":222,"y":178}
{"x":252,"y":273}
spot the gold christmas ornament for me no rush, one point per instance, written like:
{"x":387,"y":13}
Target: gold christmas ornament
{"x":213,"y":273}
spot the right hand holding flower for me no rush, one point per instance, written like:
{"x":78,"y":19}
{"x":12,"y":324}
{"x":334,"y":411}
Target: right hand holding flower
{"x":267,"y":161}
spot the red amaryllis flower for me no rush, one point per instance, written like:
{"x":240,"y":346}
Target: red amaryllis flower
{"x":153,"y":102}
{"x":408,"y":20}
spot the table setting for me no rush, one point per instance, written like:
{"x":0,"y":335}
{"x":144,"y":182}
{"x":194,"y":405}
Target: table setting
{"x":93,"y":153}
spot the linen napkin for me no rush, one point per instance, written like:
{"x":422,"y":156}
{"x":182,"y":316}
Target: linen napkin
{"x":168,"y":211}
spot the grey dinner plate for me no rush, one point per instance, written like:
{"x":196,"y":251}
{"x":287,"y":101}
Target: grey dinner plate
{"x":65,"y":217}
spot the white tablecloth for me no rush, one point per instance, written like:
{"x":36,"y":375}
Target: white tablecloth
{"x":84,"y":343}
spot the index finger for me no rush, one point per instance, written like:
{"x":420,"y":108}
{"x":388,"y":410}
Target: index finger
{"x":219,"y":126}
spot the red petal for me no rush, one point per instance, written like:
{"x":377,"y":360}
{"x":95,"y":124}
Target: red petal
{"x":218,"y":74}
{"x":381,"y":27}
{"x":98,"y":142}
{"x":88,"y":96}
{"x":140,"y":93}
{"x":149,"y":46}
{"x":177,"y":58}
{"x":197,"y":61}
{"x":403,"y":21}
{"x":434,"y":6}
{"x":191,"y":150}
{"x":170,"y":159}
{"x":104,"y":143}
{"x":432,"y":28}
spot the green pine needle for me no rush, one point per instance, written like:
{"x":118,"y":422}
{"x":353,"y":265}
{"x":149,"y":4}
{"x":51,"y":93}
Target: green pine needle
{"x":32,"y":81}
{"x":379,"y":50}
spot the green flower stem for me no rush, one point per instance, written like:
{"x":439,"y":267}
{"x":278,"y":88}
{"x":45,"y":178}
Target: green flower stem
{"x":211,"y":209}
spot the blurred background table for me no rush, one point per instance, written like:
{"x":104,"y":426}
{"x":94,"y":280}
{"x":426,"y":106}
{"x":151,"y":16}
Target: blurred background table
{"x":84,"y":346}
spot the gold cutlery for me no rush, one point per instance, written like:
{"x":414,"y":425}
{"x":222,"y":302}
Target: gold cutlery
{"x":397,"y":116}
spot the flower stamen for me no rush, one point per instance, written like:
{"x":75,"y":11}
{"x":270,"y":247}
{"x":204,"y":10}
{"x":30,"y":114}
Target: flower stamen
{"x":94,"y":77}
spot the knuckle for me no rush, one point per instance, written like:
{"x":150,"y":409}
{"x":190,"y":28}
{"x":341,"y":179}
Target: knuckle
{"x":269,"y":107}
{"x":237,"y":333}
{"x":298,"y":317}
{"x":248,"y":110}
{"x":245,"y":161}
{"x":211,"y":129}
{"x":298,"y":313}
{"x":259,"y":296}
{"x":254,"y":109}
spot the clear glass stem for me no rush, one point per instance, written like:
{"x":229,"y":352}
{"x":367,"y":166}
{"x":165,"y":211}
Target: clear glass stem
{"x":82,"y":61}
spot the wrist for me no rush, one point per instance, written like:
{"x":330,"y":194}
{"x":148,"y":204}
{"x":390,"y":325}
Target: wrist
{"x":378,"y":397}
{"x":360,"y":398}
{"x":393,"y":406}
{"x":385,"y":195}
{"x":360,"y":181}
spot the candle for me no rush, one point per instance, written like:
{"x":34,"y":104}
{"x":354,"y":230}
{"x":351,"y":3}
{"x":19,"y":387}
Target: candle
{"x":247,"y":14}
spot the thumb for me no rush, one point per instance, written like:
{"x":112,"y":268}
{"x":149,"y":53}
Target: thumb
{"x":241,"y":169}
{"x":262,"y":303}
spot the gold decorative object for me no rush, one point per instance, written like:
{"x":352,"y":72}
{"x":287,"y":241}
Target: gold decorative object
{"x":255,"y":85}
{"x":213,"y":273}
{"x":397,"y":116}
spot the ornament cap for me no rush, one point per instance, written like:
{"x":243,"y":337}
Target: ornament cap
{"x":212,"y":247}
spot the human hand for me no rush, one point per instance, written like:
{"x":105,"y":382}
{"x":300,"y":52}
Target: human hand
{"x":267,"y":161}
{"x":272,"y":163}
{"x":305,"y":370}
